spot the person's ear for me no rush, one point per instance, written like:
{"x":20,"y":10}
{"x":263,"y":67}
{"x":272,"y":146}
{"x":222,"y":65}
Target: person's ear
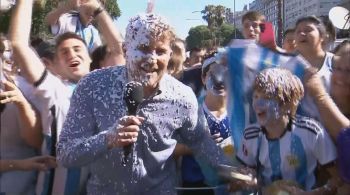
{"x":203,"y":79}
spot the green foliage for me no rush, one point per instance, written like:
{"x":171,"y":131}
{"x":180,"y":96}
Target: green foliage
{"x":4,"y":22}
{"x":198,"y":36}
{"x":112,"y":8}
{"x":226,"y":33}
{"x":203,"y":37}
{"x":215,"y":15}
{"x":39,"y":27}
{"x":218,"y":33}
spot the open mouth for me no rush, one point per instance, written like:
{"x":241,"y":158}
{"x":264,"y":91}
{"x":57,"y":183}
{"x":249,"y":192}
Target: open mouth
{"x":260,"y":114}
{"x":74,"y":64}
{"x":252,"y":36}
{"x":219,"y":87}
{"x":148,"y":70}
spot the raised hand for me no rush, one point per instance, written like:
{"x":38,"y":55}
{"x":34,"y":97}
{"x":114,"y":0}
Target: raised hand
{"x":313,"y":83}
{"x":88,"y":6}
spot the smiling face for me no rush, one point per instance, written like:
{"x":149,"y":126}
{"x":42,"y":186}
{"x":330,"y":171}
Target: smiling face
{"x":277,"y":93}
{"x":308,"y":37}
{"x":148,"y":50}
{"x":147,"y":63}
{"x":340,"y":80}
{"x":73,"y":59}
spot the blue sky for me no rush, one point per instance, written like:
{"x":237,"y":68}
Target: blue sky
{"x":177,"y":12}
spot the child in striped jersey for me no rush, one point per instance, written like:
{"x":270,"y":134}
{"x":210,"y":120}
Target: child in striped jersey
{"x":283,"y":145}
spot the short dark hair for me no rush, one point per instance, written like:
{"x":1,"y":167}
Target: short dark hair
{"x":46,"y":49}
{"x":253,"y":16}
{"x":98,"y":55}
{"x":289,"y":30}
{"x":316,"y":21}
{"x":65,"y":36}
{"x":330,"y":29}
{"x":207,"y":56}
{"x":195,"y":49}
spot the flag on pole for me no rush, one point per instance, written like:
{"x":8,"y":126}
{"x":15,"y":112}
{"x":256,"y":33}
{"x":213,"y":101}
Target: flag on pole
{"x":245,"y":60}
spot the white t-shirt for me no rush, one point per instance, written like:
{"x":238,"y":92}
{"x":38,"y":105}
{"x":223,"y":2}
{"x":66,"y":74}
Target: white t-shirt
{"x":307,"y":105}
{"x":55,"y":95}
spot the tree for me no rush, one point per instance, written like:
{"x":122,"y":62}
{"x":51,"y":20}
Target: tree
{"x":112,"y":8}
{"x":219,"y":31}
{"x":215,"y":15}
{"x":203,"y":37}
{"x":198,"y":36}
{"x":226,"y":33}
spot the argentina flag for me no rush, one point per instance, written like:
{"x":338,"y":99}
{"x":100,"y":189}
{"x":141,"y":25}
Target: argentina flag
{"x":245,"y":60}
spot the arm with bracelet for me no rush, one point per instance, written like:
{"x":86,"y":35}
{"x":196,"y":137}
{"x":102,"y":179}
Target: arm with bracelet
{"x":107,"y":29}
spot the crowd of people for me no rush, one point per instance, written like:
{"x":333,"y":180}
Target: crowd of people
{"x":66,"y":127}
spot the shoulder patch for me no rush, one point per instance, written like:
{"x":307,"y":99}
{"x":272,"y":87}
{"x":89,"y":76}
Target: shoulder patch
{"x":251,"y":132}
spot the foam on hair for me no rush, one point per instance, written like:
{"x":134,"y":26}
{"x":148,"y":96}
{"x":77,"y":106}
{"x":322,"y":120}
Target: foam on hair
{"x":281,"y":84}
{"x":149,"y":24}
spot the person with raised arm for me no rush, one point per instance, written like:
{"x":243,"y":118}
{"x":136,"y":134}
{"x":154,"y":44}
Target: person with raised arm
{"x":69,"y":16}
{"x":73,"y":60}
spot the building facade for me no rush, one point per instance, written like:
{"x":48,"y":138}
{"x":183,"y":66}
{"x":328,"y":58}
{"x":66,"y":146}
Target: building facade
{"x":291,"y":10}
{"x":295,"y":9}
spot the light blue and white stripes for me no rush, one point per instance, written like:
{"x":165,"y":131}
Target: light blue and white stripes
{"x":245,"y":60}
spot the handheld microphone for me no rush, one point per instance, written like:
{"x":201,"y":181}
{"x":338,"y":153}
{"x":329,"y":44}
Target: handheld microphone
{"x":133,"y":96}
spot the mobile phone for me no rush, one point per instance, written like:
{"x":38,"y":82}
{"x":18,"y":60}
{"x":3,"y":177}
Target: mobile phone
{"x":267,"y":35}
